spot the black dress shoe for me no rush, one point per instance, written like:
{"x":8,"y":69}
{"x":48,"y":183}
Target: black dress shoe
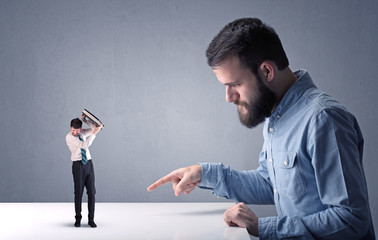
{"x":77,"y":223}
{"x":92,"y":224}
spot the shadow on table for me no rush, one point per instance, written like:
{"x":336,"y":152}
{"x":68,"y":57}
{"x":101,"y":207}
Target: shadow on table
{"x":71,"y":225}
{"x":198,"y":213}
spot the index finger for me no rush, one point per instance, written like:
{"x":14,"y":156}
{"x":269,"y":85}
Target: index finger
{"x":160,"y":182}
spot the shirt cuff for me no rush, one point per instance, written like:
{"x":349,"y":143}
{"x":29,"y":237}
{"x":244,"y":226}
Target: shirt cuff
{"x":267,"y":228}
{"x":209,"y":178}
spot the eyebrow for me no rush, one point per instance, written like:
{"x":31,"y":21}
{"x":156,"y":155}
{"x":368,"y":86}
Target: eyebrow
{"x":232,"y":83}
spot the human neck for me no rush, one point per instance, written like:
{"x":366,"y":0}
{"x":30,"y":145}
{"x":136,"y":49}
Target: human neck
{"x":284,"y":80}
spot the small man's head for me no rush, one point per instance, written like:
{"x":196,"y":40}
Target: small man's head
{"x":76,"y":125}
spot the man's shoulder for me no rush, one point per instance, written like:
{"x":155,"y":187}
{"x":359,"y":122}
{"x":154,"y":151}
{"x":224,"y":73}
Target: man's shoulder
{"x":325,"y":108}
{"x":320,"y":101}
{"x":69,"y":136}
{"x":316,"y":105}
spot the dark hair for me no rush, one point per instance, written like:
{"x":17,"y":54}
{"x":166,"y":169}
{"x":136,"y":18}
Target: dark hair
{"x":249,"y":39}
{"x":76,"y":123}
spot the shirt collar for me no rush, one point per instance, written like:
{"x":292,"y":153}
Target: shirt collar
{"x":295,"y":92}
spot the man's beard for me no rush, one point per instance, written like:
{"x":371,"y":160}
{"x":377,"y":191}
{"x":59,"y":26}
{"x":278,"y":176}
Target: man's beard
{"x":259,"y":108}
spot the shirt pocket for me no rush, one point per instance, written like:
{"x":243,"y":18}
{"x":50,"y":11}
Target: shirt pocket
{"x":288,"y":176}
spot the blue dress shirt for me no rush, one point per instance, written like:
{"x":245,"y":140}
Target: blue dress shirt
{"x":310,"y":168}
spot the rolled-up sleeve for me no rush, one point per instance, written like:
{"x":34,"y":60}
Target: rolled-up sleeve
{"x":243,"y":186}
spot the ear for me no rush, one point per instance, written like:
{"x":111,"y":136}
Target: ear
{"x":267,"y":70}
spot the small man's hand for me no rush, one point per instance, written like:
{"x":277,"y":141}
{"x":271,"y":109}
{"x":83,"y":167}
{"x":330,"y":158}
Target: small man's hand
{"x":184,"y":180}
{"x":83,"y":118}
{"x":97,"y":129}
{"x":241,"y":216}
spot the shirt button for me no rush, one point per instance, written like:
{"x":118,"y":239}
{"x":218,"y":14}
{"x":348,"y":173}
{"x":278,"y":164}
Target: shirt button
{"x":285,"y":163}
{"x":278,"y":116}
{"x":275,"y":191}
{"x":271,"y":129}
{"x":270,"y":159}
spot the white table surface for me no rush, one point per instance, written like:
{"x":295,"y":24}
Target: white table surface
{"x":151,"y":221}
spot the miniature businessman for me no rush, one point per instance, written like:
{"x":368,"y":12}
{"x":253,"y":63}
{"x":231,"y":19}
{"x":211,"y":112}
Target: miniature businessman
{"x":78,"y":141}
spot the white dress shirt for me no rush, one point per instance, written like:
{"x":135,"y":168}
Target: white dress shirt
{"x":75,"y":145}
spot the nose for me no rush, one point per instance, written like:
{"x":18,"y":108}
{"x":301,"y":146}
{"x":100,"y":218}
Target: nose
{"x":231,"y":94}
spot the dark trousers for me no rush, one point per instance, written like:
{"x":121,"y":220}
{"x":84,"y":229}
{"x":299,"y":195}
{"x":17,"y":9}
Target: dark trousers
{"x":83,"y":175}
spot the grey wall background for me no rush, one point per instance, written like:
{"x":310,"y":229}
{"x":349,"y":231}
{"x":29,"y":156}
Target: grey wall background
{"x":140,"y":67}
